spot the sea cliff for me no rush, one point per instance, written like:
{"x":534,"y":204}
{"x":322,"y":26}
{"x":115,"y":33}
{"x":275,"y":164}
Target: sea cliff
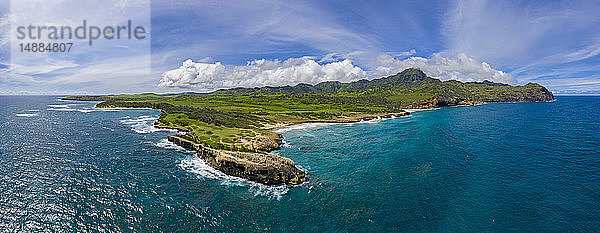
{"x":266,"y":168}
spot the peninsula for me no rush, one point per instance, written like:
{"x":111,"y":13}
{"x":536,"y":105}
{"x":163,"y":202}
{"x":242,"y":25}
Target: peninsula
{"x":233,"y":129}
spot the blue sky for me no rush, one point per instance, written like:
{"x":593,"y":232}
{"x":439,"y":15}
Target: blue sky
{"x":255,"y":43}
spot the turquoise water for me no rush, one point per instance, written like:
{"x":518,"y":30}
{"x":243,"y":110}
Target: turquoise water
{"x":516,"y":167}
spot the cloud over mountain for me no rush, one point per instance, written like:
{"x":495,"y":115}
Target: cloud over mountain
{"x":210,"y":76}
{"x":457,"y":67}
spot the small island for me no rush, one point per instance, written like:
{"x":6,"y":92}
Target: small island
{"x":233,"y":129}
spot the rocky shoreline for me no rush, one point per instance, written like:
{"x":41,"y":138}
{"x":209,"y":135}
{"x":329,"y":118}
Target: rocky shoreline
{"x":266,"y":168}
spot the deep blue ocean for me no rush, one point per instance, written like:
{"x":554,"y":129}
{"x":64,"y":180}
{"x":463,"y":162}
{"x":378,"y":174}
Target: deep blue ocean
{"x":502,"y":167}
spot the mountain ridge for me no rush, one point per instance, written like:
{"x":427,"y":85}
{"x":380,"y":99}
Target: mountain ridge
{"x":409,"y":88}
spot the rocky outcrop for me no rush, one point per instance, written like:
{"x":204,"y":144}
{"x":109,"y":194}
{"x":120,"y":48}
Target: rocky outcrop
{"x":268,"y":141}
{"x":264,"y":168}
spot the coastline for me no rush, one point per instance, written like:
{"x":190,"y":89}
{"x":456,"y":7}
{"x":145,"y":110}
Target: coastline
{"x":355,"y":119}
{"x":268,"y":168}
{"x":316,"y":124}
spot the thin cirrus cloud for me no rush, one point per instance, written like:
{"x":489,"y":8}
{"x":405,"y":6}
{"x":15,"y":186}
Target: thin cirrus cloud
{"x":210,"y":76}
{"x":530,"y":39}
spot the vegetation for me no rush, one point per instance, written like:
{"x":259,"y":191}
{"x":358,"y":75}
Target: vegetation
{"x":240,"y":119}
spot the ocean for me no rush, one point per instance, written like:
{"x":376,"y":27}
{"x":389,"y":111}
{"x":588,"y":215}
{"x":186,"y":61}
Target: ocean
{"x":500,"y":167}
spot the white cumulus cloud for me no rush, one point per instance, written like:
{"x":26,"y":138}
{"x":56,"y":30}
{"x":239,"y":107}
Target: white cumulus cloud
{"x":210,"y":76}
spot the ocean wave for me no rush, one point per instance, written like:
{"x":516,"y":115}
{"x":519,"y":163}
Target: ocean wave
{"x":304,"y":126}
{"x":285,"y":144}
{"x":62,"y":100}
{"x":411,"y":110}
{"x":69,"y":108}
{"x":26,"y":114}
{"x":144,"y":124}
{"x":372,"y":121}
{"x":200,"y":168}
{"x":164,"y":143}
{"x":61,"y":105}
{"x":62,"y":109}
{"x":84,"y":110}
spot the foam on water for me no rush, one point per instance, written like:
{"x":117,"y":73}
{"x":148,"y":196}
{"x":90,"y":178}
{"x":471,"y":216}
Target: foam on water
{"x":74,"y":108}
{"x":285,"y":144}
{"x":164,"y":143}
{"x":70,"y":108}
{"x":450,"y":170}
{"x":200,"y":168}
{"x":26,"y":114}
{"x":304,"y":126}
{"x":61,"y":105}
{"x":411,"y":110}
{"x":317,"y":125}
{"x":143,"y":124}
{"x":372,"y":121}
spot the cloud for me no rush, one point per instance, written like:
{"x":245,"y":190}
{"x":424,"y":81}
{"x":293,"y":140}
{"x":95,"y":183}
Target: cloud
{"x":210,"y":76}
{"x":83,"y":64}
{"x":458,"y":67}
{"x":528,"y":39}
{"x":404,"y":54}
{"x":44,"y":65}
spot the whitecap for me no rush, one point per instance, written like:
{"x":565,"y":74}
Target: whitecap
{"x":69,"y":108}
{"x":200,"y":168}
{"x":304,"y":126}
{"x":61,"y":105}
{"x":164,"y":143}
{"x":317,"y":125}
{"x":86,"y":110}
{"x":372,"y":121}
{"x":63,"y":100}
{"x":63,"y":109}
{"x":285,"y":144}
{"x":26,"y":114}
{"x":411,"y":110}
{"x":144,"y":124}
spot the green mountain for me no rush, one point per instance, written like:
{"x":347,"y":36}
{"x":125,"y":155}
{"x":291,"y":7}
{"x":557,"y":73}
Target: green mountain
{"x":410,"y":88}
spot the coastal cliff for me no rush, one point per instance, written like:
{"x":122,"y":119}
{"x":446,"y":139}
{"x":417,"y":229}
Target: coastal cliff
{"x":266,"y":168}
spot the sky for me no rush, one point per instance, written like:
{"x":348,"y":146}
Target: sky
{"x":202,"y":46}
